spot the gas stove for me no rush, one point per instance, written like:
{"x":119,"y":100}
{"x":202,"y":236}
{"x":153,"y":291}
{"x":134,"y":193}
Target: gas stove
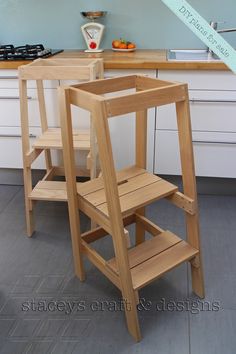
{"x":26,"y":52}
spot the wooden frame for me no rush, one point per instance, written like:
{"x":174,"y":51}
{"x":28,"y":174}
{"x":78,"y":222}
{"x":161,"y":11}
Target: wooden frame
{"x":47,"y":189}
{"x":118,"y":198}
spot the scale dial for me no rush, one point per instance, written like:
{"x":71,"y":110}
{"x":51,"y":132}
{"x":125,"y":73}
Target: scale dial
{"x":92,"y":33}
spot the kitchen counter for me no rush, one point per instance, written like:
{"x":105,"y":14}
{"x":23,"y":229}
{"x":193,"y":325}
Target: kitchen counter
{"x":139,"y":59}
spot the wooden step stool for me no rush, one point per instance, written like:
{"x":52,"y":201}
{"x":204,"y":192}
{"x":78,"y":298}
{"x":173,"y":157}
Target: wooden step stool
{"x":118,"y":198}
{"x":50,"y":139}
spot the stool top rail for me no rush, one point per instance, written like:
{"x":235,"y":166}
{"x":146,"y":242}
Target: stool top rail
{"x":61,"y":69}
{"x":149,"y":92}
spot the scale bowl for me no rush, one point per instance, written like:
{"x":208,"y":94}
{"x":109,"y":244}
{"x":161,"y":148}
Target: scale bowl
{"x":93,"y":15}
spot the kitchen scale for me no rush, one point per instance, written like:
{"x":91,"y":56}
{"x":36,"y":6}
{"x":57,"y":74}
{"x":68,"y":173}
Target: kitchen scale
{"x":93,"y":31}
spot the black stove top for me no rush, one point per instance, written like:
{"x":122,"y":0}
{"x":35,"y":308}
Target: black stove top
{"x":26,"y":52}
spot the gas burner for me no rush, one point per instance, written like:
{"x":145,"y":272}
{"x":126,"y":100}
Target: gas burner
{"x":26,"y":52}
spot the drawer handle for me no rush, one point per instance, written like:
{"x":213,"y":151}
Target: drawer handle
{"x":16,"y":136}
{"x":13,"y":97}
{"x":214,"y":142}
{"x":8,"y":77}
{"x":193,"y":100}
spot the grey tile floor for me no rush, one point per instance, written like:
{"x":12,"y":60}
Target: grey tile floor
{"x":45,"y":309}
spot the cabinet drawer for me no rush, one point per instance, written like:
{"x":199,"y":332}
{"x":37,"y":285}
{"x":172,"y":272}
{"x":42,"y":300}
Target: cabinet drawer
{"x":10,"y":107}
{"x":210,"y":111}
{"x":11,"y":148}
{"x":214,"y":153}
{"x":9,"y":79}
{"x":200,"y":79}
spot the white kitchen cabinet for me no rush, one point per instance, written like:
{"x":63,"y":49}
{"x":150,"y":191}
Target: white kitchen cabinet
{"x":214,"y":153}
{"x":11,"y":148}
{"x":10,"y":123}
{"x":213,"y":112}
{"x":210,"y":111}
{"x":10,"y":107}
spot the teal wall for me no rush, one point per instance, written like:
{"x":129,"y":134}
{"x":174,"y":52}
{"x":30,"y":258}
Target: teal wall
{"x":56,"y":23}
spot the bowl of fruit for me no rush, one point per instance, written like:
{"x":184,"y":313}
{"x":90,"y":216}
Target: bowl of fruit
{"x":122,"y":45}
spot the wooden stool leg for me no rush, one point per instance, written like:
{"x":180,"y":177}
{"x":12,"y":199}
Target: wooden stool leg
{"x":197,"y":277}
{"x":43,"y":119}
{"x":128,"y":293}
{"x":25,"y":149}
{"x":75,"y":238}
{"x":132,"y":314}
{"x":30,"y":225}
{"x":189,"y":186}
{"x":93,"y":158}
{"x":192,"y":224}
{"x":141,"y":161}
{"x":115,"y":219}
{"x":93,"y":151}
{"x":69,"y":163}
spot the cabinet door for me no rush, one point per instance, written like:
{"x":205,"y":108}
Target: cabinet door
{"x":212,"y":106}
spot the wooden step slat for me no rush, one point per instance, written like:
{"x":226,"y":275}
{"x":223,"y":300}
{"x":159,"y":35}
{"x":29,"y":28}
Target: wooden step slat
{"x":148,"y":249}
{"x":156,"y":266}
{"x":97,"y":183}
{"x":52,"y":185}
{"x":52,"y":139}
{"x":49,"y":190}
{"x":143,"y":196}
{"x":152,"y":258}
{"x":127,"y":186}
{"x":42,"y":143}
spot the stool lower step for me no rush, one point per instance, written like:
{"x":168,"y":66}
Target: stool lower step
{"x":49,"y":190}
{"x":51,"y":138}
{"x":155,"y":257}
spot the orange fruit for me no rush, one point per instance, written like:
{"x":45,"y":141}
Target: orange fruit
{"x":131,"y":46}
{"x":123,"y":46}
{"x":116,"y":43}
